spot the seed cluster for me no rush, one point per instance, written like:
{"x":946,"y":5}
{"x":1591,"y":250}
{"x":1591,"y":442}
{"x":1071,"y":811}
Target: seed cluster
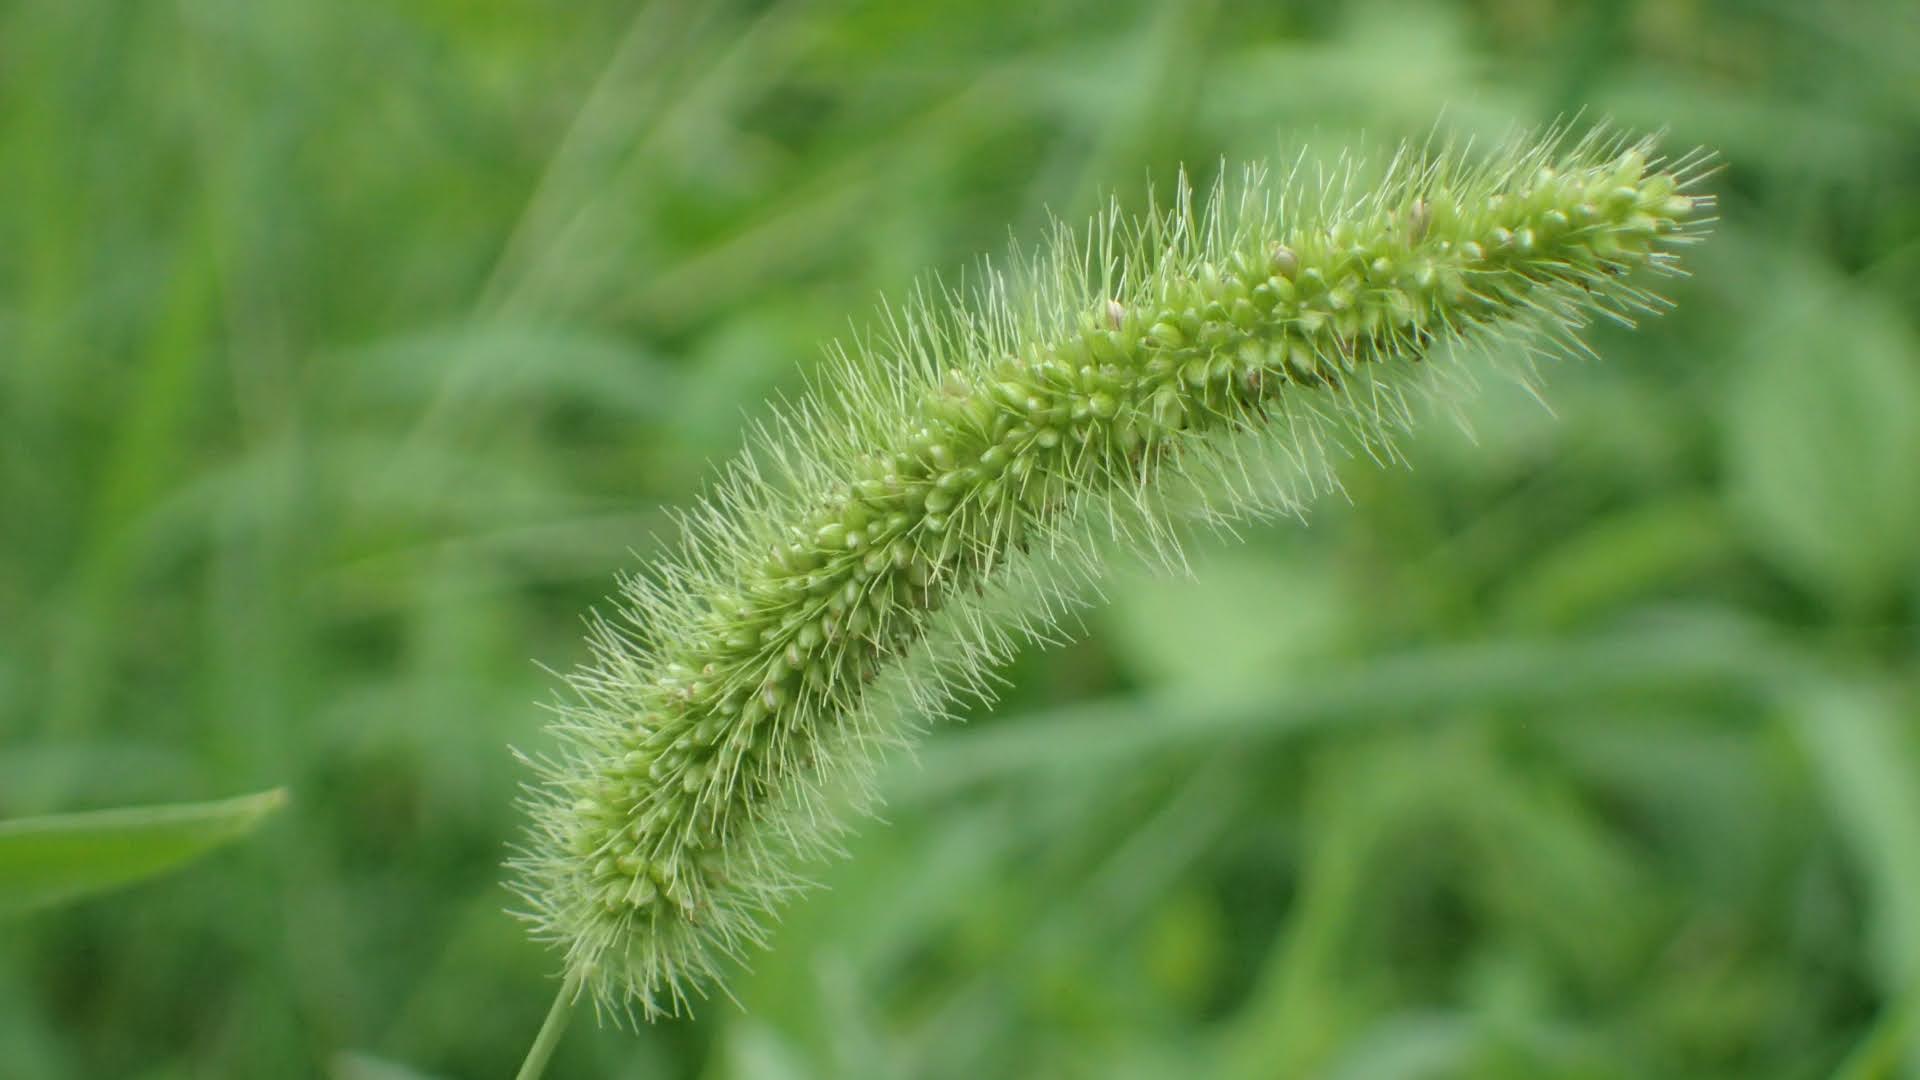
{"x":719,"y":711}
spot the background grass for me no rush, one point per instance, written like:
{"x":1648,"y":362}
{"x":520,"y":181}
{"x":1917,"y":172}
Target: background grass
{"x":348,"y":348}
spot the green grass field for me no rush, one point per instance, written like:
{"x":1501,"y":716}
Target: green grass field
{"x":348,"y":349}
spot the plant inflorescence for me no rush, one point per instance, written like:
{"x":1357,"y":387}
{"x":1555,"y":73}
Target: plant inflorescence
{"x":885,"y":541}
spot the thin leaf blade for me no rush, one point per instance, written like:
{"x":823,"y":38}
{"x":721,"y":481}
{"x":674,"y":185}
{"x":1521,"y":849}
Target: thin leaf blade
{"x":58,"y":858}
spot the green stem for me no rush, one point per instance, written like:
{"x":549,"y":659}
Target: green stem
{"x":550,"y":1031}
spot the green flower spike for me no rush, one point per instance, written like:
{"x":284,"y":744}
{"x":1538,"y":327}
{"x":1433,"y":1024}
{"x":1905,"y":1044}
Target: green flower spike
{"x":886,"y":541}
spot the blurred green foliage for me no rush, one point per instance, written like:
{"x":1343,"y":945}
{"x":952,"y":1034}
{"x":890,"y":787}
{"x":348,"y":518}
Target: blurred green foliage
{"x":348,"y":348}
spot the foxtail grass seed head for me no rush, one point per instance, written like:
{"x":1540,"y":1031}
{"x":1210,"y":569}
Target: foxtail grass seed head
{"x":886,"y":541}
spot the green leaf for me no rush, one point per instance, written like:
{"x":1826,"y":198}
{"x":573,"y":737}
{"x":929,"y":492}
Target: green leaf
{"x":1266,"y":614}
{"x":1822,"y":434}
{"x":1537,"y":675}
{"x":61,"y":857}
{"x":1861,"y":744}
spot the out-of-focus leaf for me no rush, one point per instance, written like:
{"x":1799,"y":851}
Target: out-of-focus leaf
{"x":503,"y":366}
{"x":1266,"y":614}
{"x":1429,"y":682}
{"x":355,"y":1065}
{"x":1618,"y":559}
{"x":1412,"y":1047}
{"x":62,"y":857}
{"x":1878,"y":1055}
{"x":1862,"y":747}
{"x":1823,"y":431}
{"x":754,"y":1051}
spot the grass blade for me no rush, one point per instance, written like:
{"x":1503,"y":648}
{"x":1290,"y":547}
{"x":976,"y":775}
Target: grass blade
{"x":59,"y":858}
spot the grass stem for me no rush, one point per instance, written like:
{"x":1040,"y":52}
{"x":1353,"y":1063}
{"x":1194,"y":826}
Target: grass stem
{"x":551,"y":1029}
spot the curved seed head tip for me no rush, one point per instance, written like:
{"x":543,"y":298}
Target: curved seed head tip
{"x":856,"y":568}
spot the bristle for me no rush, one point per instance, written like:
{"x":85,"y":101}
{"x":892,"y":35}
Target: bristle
{"x":941,"y":492}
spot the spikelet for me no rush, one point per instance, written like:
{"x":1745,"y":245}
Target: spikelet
{"x":938,"y":495}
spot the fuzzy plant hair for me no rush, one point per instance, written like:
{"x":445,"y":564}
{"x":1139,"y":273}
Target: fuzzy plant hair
{"x":946,"y":490}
